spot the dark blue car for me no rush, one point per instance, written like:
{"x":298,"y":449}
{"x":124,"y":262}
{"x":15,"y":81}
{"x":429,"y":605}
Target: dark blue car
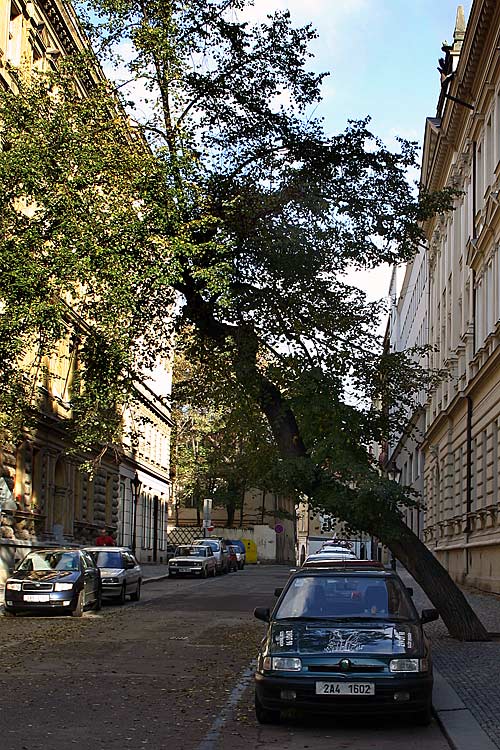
{"x":64,"y":580}
{"x":344,"y":639}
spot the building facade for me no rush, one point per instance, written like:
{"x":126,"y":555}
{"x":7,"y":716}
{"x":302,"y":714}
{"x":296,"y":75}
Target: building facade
{"x":407,"y":328}
{"x":45,"y":497}
{"x":462,"y":415}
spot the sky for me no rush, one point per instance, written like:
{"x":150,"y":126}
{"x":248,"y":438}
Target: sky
{"x":382,"y":56}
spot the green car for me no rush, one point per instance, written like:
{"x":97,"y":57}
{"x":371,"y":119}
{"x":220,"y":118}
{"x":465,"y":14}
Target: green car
{"x":344,"y":638}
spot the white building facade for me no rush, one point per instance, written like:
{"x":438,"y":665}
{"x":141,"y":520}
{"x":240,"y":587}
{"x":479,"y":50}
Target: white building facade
{"x":461,"y":300}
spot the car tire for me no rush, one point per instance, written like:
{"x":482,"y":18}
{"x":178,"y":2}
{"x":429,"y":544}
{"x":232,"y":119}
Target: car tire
{"x":137,"y":593}
{"x":264,"y":715}
{"x":424,"y":717}
{"x":214,"y":572}
{"x":123,"y":595}
{"x":80,"y":605}
{"x":98,"y":601}
{"x":204,"y":573}
{"x":8,"y":613}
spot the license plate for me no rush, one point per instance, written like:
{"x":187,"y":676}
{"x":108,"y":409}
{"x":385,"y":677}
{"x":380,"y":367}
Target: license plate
{"x":36,"y":598}
{"x":184,"y":570}
{"x":345,"y":688}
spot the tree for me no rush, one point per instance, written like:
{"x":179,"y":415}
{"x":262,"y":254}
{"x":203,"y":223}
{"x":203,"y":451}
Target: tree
{"x":253,"y":214}
{"x":222,"y":446}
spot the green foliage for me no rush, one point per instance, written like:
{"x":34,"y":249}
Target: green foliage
{"x":245,"y":209}
{"x":221,"y":445}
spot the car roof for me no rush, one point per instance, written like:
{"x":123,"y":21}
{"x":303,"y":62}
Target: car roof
{"x":107,"y":549}
{"x":55,"y":549}
{"x":345,"y":566}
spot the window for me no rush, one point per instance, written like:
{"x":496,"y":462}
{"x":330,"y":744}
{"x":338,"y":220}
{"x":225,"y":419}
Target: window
{"x":15,"y":35}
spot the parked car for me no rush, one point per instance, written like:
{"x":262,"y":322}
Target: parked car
{"x":198,"y":559}
{"x":54,"y":579}
{"x":341,"y":640}
{"x":241,"y":551}
{"x":232,"y":559}
{"x":121,"y":574}
{"x":330,"y":555}
{"x":220,"y":551}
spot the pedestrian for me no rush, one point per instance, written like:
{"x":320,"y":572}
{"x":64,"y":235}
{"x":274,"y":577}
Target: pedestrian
{"x":104,"y":539}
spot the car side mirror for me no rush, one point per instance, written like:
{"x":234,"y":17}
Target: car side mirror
{"x":293,"y":570}
{"x":278,"y":592}
{"x":410,"y":590}
{"x":129,"y":565}
{"x":262,"y":613}
{"x":429,"y":615}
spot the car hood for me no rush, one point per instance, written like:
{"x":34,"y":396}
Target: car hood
{"x":334,"y":638}
{"x":39,"y":576}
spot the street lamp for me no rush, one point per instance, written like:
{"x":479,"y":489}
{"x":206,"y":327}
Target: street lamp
{"x":136,"y":485}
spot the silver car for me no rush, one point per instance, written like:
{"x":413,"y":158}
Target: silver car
{"x":121,"y":574}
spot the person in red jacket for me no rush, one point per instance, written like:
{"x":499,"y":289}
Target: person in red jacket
{"x":104,"y":539}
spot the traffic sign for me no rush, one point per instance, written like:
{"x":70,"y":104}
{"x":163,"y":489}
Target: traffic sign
{"x":279,"y":528}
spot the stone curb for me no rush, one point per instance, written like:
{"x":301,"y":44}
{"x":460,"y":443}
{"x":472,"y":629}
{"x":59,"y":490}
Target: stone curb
{"x":154,"y":578}
{"x":458,"y":724}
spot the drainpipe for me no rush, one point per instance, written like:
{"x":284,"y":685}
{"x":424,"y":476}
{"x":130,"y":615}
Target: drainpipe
{"x":468,"y":478}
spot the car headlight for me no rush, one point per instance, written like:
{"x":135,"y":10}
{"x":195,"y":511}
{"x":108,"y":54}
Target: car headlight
{"x":409,"y":665}
{"x":282,"y":664}
{"x":13,"y":586}
{"x":63,"y":586}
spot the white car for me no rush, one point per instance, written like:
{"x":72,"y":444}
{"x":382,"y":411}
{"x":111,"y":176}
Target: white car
{"x":194,"y":559}
{"x":331,"y":554}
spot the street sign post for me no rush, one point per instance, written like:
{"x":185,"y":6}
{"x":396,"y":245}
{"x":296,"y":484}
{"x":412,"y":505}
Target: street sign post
{"x":207,"y":515}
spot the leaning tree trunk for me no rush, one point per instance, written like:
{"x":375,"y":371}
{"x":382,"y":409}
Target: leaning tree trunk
{"x":457,"y":614}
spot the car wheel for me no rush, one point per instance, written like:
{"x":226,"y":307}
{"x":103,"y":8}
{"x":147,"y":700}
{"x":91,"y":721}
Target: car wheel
{"x":214,"y":572}
{"x":424,"y":717}
{"x":204,"y":573}
{"x":80,"y":605}
{"x":137,"y":593}
{"x":123,"y":595}
{"x":263,"y":715}
{"x":98,"y":601}
{"x":8,"y":613}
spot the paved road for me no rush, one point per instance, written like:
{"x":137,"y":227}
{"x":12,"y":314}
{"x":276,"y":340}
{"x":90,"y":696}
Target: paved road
{"x":169,"y":672}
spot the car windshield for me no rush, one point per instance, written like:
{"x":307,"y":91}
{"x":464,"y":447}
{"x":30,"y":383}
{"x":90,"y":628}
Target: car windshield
{"x":50,"y":561}
{"x":346,"y":597}
{"x":190,"y":552}
{"x":109,"y":559}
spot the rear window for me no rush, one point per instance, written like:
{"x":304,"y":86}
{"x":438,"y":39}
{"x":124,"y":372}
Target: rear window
{"x":339,"y":596}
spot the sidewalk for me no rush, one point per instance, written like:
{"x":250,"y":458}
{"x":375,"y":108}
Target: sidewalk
{"x":467,"y":686}
{"x":153,"y":572}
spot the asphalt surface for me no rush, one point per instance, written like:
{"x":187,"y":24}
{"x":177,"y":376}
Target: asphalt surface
{"x":172,"y":671}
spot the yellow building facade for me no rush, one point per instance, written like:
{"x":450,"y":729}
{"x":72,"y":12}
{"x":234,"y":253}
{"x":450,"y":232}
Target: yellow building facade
{"x":44,"y":495}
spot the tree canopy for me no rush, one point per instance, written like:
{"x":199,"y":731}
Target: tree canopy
{"x":244,"y":210}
